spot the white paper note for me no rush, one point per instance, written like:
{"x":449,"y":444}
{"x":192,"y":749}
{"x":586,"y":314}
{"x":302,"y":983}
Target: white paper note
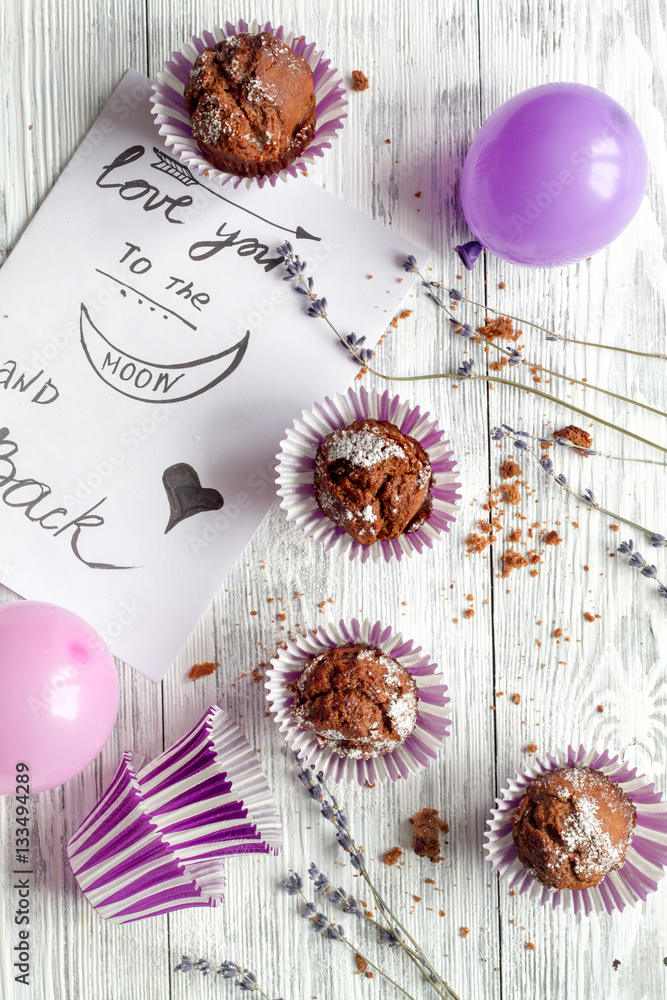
{"x":151,"y":358}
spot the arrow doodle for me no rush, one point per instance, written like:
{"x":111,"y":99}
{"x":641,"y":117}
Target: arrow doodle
{"x":168,"y":165}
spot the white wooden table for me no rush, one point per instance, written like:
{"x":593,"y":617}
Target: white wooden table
{"x":436,"y":71}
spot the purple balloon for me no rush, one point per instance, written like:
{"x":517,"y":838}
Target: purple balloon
{"x":59,"y":695}
{"x":554,"y":175}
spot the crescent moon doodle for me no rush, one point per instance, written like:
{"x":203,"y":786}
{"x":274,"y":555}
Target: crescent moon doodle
{"x":150,"y":381}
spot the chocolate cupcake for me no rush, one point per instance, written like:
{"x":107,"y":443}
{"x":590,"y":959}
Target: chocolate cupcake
{"x":360,"y":702}
{"x":572,"y":827}
{"x":373,"y":481}
{"x":251,"y":104}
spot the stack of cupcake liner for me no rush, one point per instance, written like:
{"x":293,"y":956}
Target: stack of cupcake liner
{"x":646,"y":856}
{"x":172,"y":115}
{"x":420,"y":748}
{"x":296,"y":469}
{"x":157,"y":839}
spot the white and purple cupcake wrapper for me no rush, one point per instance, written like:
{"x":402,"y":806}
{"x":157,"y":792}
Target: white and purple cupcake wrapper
{"x":646,"y":856}
{"x":296,"y":470}
{"x":158,"y":838}
{"x":420,"y":748}
{"x":172,"y":115}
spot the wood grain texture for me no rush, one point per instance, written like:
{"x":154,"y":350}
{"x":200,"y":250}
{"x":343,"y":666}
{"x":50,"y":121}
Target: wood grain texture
{"x":436,"y":72}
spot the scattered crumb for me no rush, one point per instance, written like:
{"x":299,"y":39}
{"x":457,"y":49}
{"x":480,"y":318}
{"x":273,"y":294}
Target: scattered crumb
{"x":501,"y":327}
{"x":464,"y":932}
{"x":418,"y":194}
{"x":257,"y":675}
{"x":577,"y":436}
{"x":516,"y":698}
{"x":509,"y":469}
{"x":392,"y":856}
{"x":588,"y":616}
{"x":441,"y":912}
{"x":600,"y":708}
{"x":359,"y":80}
{"x":404,"y":313}
{"x":362,"y":964}
{"x":469,"y":613}
{"x":511,"y":492}
{"x":497,"y":366}
{"x":417,"y":899}
{"x":558,"y":633}
{"x":615,"y":964}
{"x":531,"y":748}
{"x":512,"y":560}
{"x":552,"y":538}
{"x":501,"y":285}
{"x":202,"y":670}
{"x":477,"y":543}
{"x":613,"y":527}
{"x":530,"y":946}
{"x":515,"y":535}
{"x":427,"y":827}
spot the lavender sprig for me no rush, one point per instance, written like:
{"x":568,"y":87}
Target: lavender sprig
{"x":303,"y":284}
{"x":244,"y":979}
{"x":519,"y":440}
{"x":514,"y":356}
{"x":318,"y":790}
{"x":637,"y":561}
{"x":329,"y":929}
{"x":410,"y":265}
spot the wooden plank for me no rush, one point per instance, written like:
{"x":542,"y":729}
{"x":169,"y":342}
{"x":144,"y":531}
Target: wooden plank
{"x":615,"y":660}
{"x":60,"y":64}
{"x":425,"y":97}
{"x":421,"y":94}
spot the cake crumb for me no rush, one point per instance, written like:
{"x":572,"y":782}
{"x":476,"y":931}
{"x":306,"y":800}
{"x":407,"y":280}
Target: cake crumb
{"x":509,"y":469}
{"x":558,"y":633}
{"x":477,"y":543}
{"x":501,"y":327}
{"x":469,"y":613}
{"x":427,"y":827}
{"x":531,"y":748}
{"x":552,"y":538}
{"x":359,"y":80}
{"x":418,"y":194}
{"x":600,"y":708}
{"x":577,"y":436}
{"x":202,"y":670}
{"x":362,"y":964}
{"x":613,"y":527}
{"x":511,"y":492}
{"x":391,"y":857}
{"x":512,"y":560}
{"x":588,"y":616}
{"x":530,"y":946}
{"x":464,"y":932}
{"x":516,"y":698}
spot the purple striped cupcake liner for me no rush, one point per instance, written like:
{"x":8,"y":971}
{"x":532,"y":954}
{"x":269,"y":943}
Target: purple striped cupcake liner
{"x":420,"y":748}
{"x":173,"y":119}
{"x":646,"y":857}
{"x":158,"y":838}
{"x":296,"y":465}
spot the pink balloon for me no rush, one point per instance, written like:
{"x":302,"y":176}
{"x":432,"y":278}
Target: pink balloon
{"x":58,"y":695}
{"x":554,"y":175}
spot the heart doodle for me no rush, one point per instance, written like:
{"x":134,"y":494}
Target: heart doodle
{"x":186,"y":494}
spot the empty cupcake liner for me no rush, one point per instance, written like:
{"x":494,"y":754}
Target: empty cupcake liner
{"x":296,"y":466}
{"x":646,"y":857}
{"x":172,"y":115}
{"x":433,"y":721}
{"x":157,"y":839}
